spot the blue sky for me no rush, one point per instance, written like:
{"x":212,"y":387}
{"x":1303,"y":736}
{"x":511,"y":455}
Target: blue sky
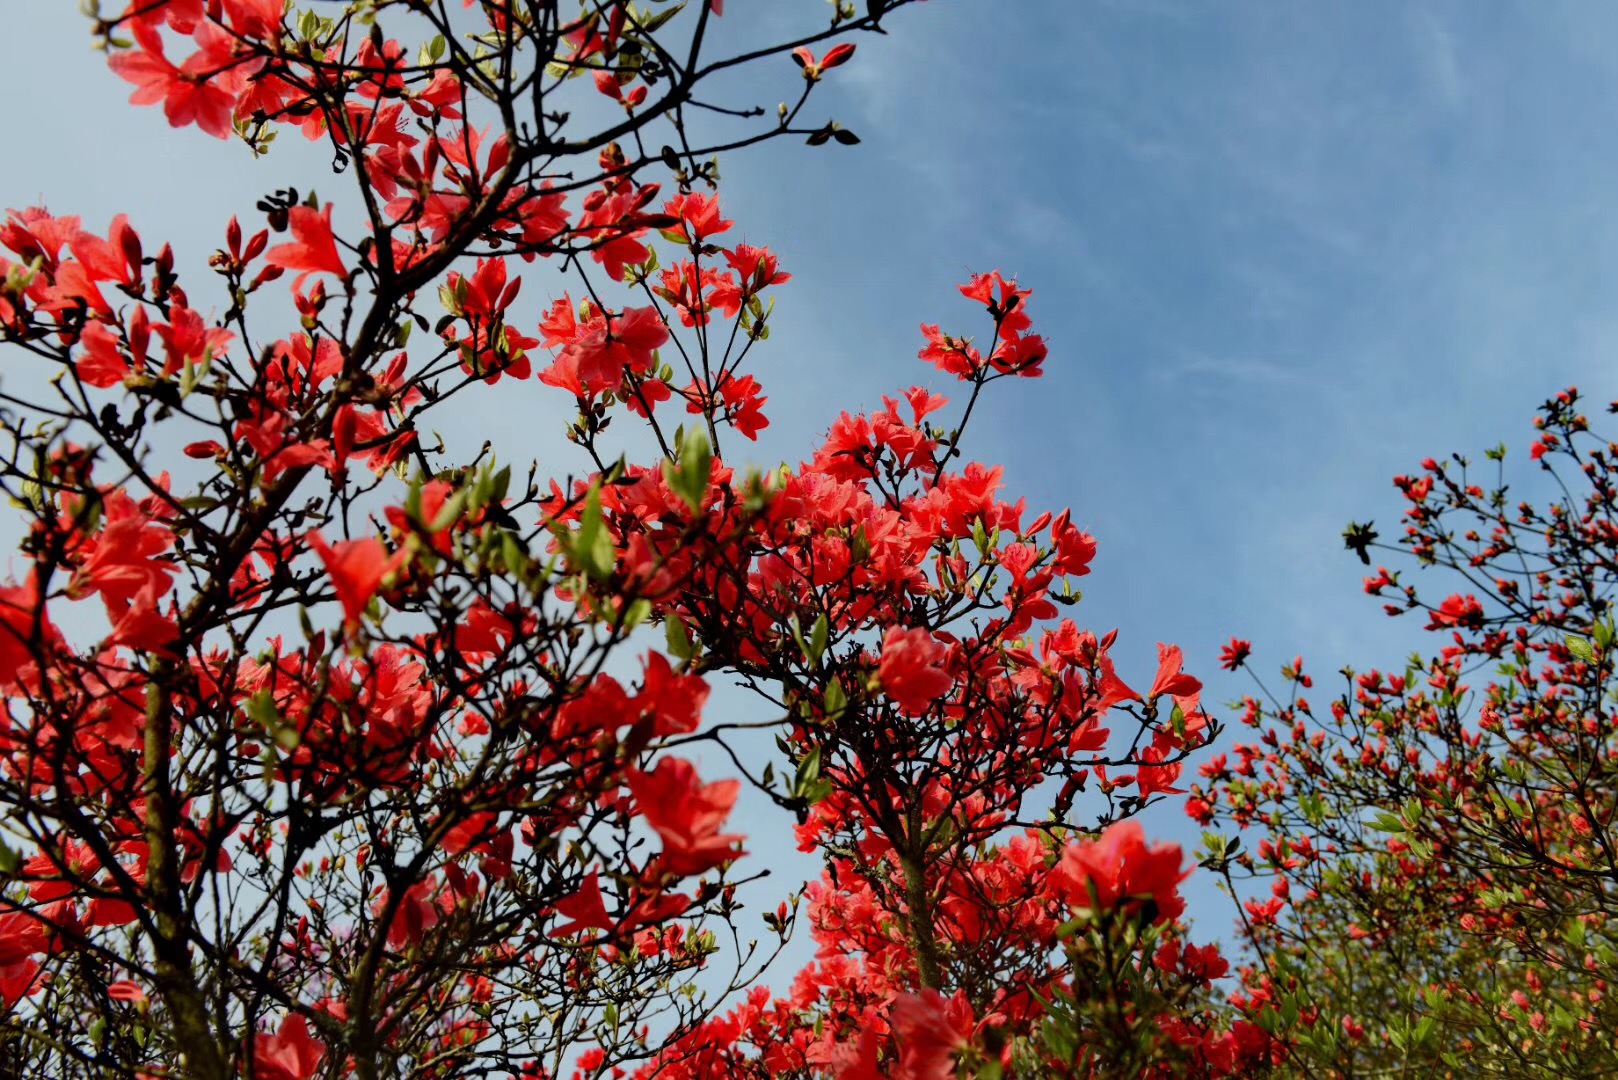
{"x":1280,"y":252}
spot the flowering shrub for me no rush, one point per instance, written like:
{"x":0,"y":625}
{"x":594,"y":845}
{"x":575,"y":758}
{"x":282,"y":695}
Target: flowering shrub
{"x":1439,"y":839}
{"x":329,"y":751}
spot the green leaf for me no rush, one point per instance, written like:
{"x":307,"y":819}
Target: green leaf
{"x":638,"y":611}
{"x":690,"y":480}
{"x":1388,"y":823}
{"x":261,"y":709}
{"x":859,"y":545}
{"x":819,"y":635}
{"x":651,"y":21}
{"x":817,"y":791}
{"x":1313,"y":807}
{"x":807,"y":773}
{"x":501,"y":485}
{"x":512,"y":553}
{"x":795,"y":628}
{"x":836,"y":700}
{"x":679,"y":639}
{"x":593,"y":551}
{"x":450,"y":512}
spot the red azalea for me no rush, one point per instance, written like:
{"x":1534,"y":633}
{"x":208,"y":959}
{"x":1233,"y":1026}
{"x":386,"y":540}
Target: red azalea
{"x":912,"y":670}
{"x":585,"y":909}
{"x":22,"y":609}
{"x":1008,"y":308}
{"x":102,"y":363}
{"x":313,"y":248}
{"x":290,"y":1054}
{"x":1457,"y":610}
{"x":687,"y":814}
{"x":1170,"y":679}
{"x":952,"y":355}
{"x":1075,"y":549}
{"x":197,"y":94}
{"x":357,"y":568}
{"x":755,"y":267}
{"x":1120,"y":868}
{"x":699,"y":217}
{"x":1235,"y":654}
{"x":672,"y":702}
{"x":929,"y":1028}
{"x":598,"y":351}
{"x":188,"y":339}
{"x":812,"y":68}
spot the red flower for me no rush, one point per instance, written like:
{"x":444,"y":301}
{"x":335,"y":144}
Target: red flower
{"x":952,"y":355}
{"x":687,"y":814}
{"x":1170,"y":679}
{"x":812,"y":68}
{"x":929,"y":1029}
{"x":22,"y":608}
{"x":357,"y":568}
{"x":912,"y":671}
{"x":597,"y":351}
{"x":290,"y":1054}
{"x":1119,"y":869}
{"x":202,"y":92}
{"x":585,"y":909}
{"x":255,"y":18}
{"x":141,"y":624}
{"x":278,"y":451}
{"x":1155,"y":775}
{"x":189,"y":340}
{"x":416,"y":913}
{"x":22,"y":935}
{"x":125,"y":990}
{"x":1008,"y":308}
{"x":1458,"y":610}
{"x":699,"y":217}
{"x":313,"y":249}
{"x":755,"y":267}
{"x":102,"y":363}
{"x":1235,"y":654}
{"x":744,"y":404}
{"x":1075,"y":549}
{"x":670,"y":701}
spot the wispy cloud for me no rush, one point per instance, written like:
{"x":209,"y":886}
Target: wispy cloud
{"x":1437,"y":45}
{"x":1233,"y":369}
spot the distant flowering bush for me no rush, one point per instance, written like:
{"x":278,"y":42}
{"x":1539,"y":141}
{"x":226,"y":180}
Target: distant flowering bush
{"x":1439,"y":840}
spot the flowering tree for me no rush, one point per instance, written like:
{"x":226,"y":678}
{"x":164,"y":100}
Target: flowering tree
{"x":313,"y":763}
{"x":1440,"y":841}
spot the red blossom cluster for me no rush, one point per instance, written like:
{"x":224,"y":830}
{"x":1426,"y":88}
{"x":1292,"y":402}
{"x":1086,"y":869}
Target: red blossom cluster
{"x":351,"y":778}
